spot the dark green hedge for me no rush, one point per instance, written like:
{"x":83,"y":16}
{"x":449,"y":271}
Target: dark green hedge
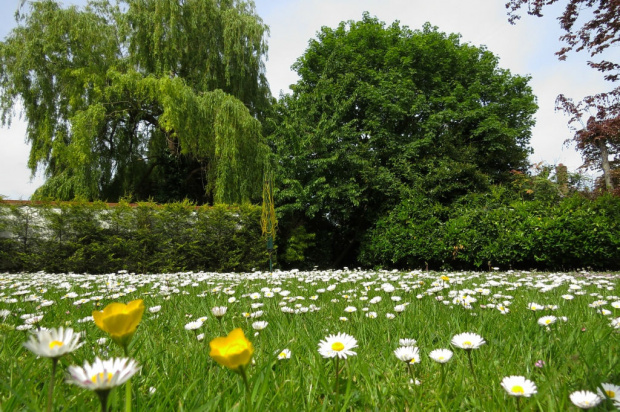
{"x":145,"y":238}
{"x":570,"y":233}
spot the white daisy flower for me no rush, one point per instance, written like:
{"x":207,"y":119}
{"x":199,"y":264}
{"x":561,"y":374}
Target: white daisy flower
{"x":407,"y":342}
{"x":441,"y":355}
{"x":547,"y":320}
{"x":284,"y":354}
{"x":53,"y":343}
{"x":519,"y":386}
{"x":193,"y":325}
{"x":102,"y":375}
{"x":610,"y":391}
{"x":219,"y":311}
{"x":154,"y":309}
{"x":260,"y":325}
{"x":339,"y":345}
{"x":399,"y":308}
{"x":468,"y":341}
{"x":585,"y":399}
{"x":408,"y":354}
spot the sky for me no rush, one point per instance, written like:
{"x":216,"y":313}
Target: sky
{"x":526,"y":48}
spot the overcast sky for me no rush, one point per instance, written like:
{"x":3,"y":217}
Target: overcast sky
{"x":526,"y":48}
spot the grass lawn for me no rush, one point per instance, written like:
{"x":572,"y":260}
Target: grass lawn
{"x":576,"y":348}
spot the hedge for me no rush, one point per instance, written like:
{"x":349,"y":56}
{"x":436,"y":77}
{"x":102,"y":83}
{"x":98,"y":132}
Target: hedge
{"x":86,"y":237}
{"x":572,"y":233}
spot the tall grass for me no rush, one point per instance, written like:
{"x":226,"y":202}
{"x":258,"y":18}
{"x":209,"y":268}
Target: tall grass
{"x":578,"y":353}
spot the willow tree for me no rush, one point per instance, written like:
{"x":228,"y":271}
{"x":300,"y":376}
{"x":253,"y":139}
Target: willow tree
{"x":152,"y":98}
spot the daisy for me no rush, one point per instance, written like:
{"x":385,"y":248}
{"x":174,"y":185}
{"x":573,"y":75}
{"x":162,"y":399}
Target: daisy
{"x":518,"y":386}
{"x":339,"y":346}
{"x":585,"y":399}
{"x":610,"y":391}
{"x":407,"y":342}
{"x":219,"y":311}
{"x":535,"y":306}
{"x":468,"y":341}
{"x":193,"y":325}
{"x":408,"y":354}
{"x":53,"y":343}
{"x":154,"y":309}
{"x":350,"y":309}
{"x":547,"y":320}
{"x":102,"y":376}
{"x":441,"y":355}
{"x":260,"y":325}
{"x":284,"y":354}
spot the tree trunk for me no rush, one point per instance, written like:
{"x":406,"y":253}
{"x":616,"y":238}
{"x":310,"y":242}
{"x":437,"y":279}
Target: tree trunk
{"x":605,"y":164}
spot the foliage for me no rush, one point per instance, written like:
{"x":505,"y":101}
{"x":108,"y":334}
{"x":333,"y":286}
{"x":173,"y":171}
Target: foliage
{"x":118,"y":103}
{"x":501,"y":230}
{"x":94,"y":238}
{"x":381,"y":112}
{"x":598,"y":116}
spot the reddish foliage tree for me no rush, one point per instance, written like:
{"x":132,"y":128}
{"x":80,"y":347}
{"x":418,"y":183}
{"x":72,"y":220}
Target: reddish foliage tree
{"x":595,"y":119}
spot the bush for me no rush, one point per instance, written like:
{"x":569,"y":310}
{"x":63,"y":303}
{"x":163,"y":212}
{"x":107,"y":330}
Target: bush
{"x":497,"y":230}
{"x":146,"y":238}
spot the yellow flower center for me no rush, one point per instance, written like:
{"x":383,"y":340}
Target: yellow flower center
{"x":444,"y":277}
{"x":282,"y":355}
{"x":611,"y":394}
{"x":102,"y":377}
{"x":55,"y":343}
{"x":467,"y":343}
{"x":517,"y":389}
{"x":441,"y":358}
{"x":337,"y":346}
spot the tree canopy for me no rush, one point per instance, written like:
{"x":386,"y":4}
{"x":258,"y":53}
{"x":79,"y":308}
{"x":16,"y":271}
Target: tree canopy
{"x":146,"y":98}
{"x":382,"y":112}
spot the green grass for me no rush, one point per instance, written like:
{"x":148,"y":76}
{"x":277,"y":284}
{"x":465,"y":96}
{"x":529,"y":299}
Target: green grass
{"x":579,"y":353}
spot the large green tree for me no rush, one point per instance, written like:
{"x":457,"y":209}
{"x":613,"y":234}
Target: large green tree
{"x":151,"y":98}
{"x":382,"y":112}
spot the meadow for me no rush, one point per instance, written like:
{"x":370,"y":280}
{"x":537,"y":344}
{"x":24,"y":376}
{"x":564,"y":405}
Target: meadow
{"x":559,"y":330}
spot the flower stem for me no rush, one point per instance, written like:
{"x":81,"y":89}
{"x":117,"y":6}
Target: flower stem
{"x":471,"y":366}
{"x":248,"y":392}
{"x":50,"y":389}
{"x":337,"y":383}
{"x":443,"y":374}
{"x":103,"y":399}
{"x":411,"y":372}
{"x":127,"y":385}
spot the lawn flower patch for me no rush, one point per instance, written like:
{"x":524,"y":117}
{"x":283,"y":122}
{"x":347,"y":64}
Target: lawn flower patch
{"x":295,"y":340}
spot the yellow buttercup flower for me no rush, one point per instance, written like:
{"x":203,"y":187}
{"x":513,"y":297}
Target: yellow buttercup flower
{"x":120,"y":320}
{"x":233,"y":351}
